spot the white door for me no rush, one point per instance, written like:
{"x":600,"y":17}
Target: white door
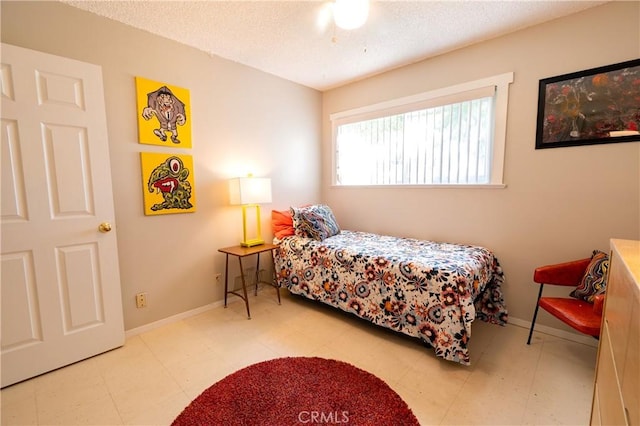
{"x":60,"y":278}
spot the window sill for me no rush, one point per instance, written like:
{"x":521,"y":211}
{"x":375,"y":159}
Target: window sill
{"x":434,"y":186}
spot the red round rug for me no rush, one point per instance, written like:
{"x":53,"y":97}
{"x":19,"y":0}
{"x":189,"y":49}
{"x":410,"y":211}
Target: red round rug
{"x":298,"y":391}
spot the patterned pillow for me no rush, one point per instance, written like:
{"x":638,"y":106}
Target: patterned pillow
{"x":594,"y":281}
{"x":316,"y":221}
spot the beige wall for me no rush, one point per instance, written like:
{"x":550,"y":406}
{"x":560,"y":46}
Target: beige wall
{"x":243,"y":120}
{"x":559,"y":204}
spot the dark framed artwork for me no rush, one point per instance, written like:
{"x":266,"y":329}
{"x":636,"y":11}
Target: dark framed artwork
{"x":595,"y":106}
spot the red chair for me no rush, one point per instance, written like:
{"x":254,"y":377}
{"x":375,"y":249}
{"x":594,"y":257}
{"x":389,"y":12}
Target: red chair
{"x":578,"y":314}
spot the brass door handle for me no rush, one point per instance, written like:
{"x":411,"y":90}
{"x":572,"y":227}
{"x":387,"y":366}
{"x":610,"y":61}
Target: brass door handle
{"x":104,"y":227}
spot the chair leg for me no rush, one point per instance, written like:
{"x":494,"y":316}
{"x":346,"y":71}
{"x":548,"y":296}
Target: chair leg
{"x":535,"y":315}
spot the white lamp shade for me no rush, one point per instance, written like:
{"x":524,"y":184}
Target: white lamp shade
{"x":249,"y":190}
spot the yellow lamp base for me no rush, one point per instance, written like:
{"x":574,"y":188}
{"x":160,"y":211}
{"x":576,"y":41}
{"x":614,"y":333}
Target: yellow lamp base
{"x":252,"y":243}
{"x":257,"y":240}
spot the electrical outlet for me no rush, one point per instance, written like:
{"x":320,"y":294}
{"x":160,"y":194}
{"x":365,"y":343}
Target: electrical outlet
{"x":141,"y":300}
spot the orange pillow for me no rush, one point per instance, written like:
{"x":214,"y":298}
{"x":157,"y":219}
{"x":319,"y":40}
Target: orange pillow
{"x":282,"y":223}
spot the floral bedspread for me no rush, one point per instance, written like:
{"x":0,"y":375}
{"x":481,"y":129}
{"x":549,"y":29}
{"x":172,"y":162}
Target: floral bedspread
{"x":429,"y":290}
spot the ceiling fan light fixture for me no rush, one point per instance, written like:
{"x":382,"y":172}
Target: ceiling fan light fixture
{"x":350,"y":14}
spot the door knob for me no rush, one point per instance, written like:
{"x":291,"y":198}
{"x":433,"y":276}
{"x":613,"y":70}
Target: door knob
{"x":104,"y":227}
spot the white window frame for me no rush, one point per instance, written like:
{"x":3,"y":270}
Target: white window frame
{"x":456,"y":93}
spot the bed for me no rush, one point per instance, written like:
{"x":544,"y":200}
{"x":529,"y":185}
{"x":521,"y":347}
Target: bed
{"x":429,"y":290}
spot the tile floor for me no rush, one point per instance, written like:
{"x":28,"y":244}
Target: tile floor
{"x":157,"y":373}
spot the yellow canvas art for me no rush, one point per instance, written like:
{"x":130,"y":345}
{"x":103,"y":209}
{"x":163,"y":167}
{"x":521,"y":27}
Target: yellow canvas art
{"x":168,"y":183}
{"x":163,"y":114}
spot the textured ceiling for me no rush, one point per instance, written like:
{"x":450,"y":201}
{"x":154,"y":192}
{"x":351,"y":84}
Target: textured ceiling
{"x":298,"y":41}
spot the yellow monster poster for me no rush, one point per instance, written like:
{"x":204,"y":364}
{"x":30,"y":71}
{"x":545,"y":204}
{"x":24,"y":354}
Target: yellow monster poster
{"x":168,"y":183}
{"x":164,"y":114}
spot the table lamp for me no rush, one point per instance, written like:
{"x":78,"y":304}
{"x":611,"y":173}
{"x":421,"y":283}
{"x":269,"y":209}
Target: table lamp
{"x":249,"y":192}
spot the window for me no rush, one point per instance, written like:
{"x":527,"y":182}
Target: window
{"x":451,"y":136}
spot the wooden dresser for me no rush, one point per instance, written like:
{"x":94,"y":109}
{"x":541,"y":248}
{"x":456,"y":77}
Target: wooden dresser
{"x":616,"y":396}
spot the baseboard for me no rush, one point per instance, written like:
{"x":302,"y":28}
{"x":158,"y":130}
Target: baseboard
{"x":169,"y":320}
{"x":179,"y":317}
{"x":578,"y":338}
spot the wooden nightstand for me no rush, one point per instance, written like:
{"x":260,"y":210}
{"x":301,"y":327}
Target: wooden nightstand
{"x":241,"y":252}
